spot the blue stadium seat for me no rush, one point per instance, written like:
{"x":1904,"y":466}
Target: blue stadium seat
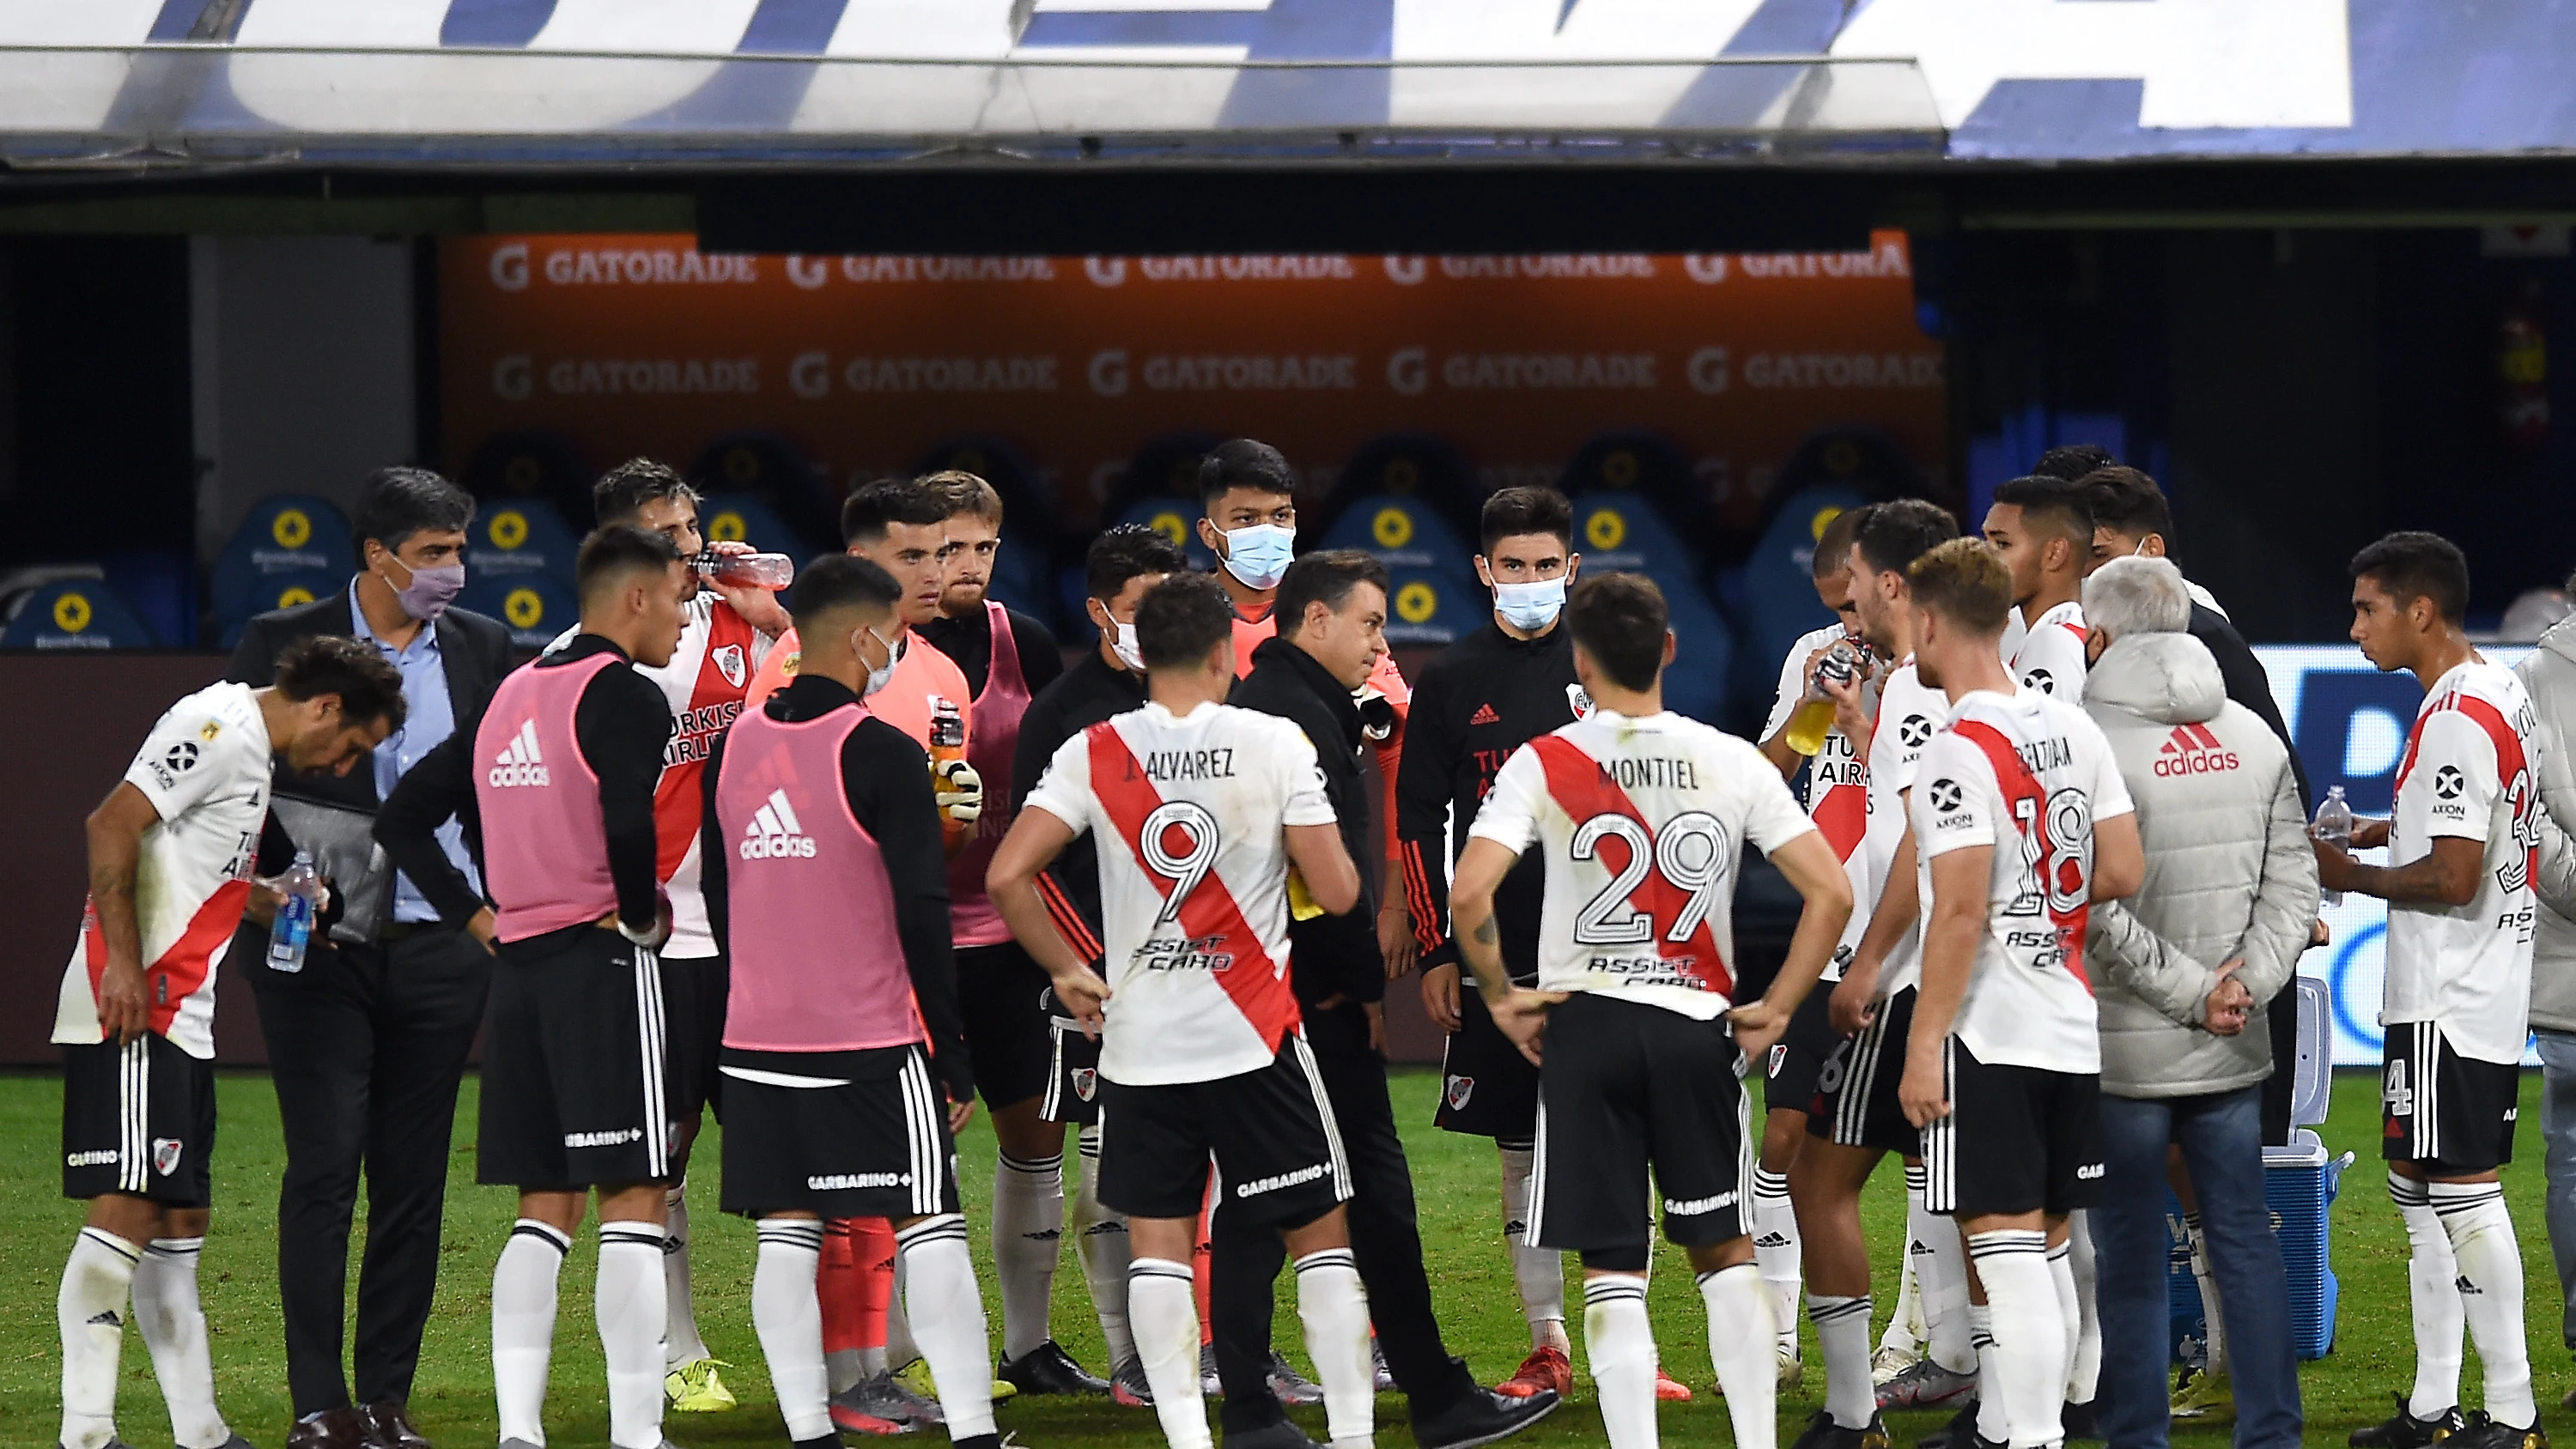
{"x":282,"y":591}
{"x":1778,"y":597}
{"x":1623,"y":533}
{"x":519,"y":538}
{"x":81,"y":614}
{"x":767,"y":469}
{"x":289,"y":534}
{"x":1176,"y":519}
{"x":528,"y":465}
{"x":1023,"y":579}
{"x":1703,"y":652}
{"x":533,"y":607}
{"x":1415,"y":465}
{"x":742,"y":518}
{"x":1405,"y":533}
{"x":1431,"y":608}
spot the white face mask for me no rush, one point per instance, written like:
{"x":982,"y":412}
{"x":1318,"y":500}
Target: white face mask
{"x":1124,"y":646}
{"x":877,"y":678}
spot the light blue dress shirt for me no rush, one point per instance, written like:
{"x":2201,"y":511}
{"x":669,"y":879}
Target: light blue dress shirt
{"x":431,"y":718}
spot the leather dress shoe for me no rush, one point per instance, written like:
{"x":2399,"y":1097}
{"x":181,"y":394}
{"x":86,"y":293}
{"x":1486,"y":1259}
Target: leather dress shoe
{"x":334,"y":1429}
{"x":392,"y":1424}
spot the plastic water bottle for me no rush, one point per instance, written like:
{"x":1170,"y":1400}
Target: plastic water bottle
{"x":758,"y":570}
{"x":293,"y":929}
{"x":2334,"y":823}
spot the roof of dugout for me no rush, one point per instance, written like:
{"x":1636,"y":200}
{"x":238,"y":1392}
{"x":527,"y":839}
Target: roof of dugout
{"x":125,"y":84}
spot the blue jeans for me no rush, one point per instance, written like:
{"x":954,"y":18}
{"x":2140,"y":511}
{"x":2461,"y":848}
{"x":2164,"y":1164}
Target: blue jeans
{"x":2221,"y":1136}
{"x":2558,"y":1139}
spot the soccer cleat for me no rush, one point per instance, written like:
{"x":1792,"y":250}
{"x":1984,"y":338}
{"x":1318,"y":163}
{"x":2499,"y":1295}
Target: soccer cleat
{"x":1791,"y":1372}
{"x":1959,"y":1433}
{"x":2203,"y":1397}
{"x":1823,"y":1433}
{"x":1289,"y":1386}
{"x":1211,"y":1383}
{"x":1545,"y":1371}
{"x":1048,"y":1369}
{"x":2482,"y":1432}
{"x":1279,"y":1434}
{"x":695,"y":1388}
{"x":2402,"y":1430}
{"x":2079,"y":1423}
{"x":1670,"y":1390}
{"x":921,"y":1391}
{"x":1128,"y":1388}
{"x":870,"y":1406}
{"x":1887,"y":1363}
{"x":235,"y":1442}
{"x":1925,"y":1385}
{"x":1481,"y":1418}
{"x":1385,"y":1380}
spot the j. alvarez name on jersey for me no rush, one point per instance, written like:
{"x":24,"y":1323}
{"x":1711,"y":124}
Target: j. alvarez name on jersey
{"x":1208,"y":764}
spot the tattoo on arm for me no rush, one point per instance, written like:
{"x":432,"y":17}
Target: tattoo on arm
{"x":1486,"y":934}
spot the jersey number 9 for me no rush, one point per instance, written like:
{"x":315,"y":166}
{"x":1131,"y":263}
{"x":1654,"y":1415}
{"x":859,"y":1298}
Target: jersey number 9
{"x":1179,"y":844}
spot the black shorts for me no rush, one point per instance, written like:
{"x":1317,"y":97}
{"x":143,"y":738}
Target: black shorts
{"x":693,"y":1016}
{"x":573,"y":1068}
{"x":1798,"y":1058}
{"x":1278,"y":1152}
{"x":856,"y":1149}
{"x":2017,"y":1140}
{"x":2450,"y":1113}
{"x":1007,"y":1006}
{"x":1856,"y":1103}
{"x":1630,"y":1086}
{"x":1487,"y":1088}
{"x":139,"y":1119}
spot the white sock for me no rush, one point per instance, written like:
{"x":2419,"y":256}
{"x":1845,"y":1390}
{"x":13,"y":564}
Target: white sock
{"x":940,"y":1296}
{"x":681,"y":1343}
{"x":523,"y":1326}
{"x":1990,"y":1394}
{"x":173,"y":1323}
{"x":629,"y":1306}
{"x":2084,"y":1372}
{"x":2214,"y":1326}
{"x":901,"y":1349}
{"x":1905,"y":1325}
{"x":1949,"y":1335}
{"x":1028,"y":1224}
{"x":1100,"y":1241}
{"x":2030,"y":1330}
{"x":789,"y":1319}
{"x":2433,"y":1292}
{"x":1842,"y":1335}
{"x":1741,"y":1347}
{"x":2070,"y":1312}
{"x":1539,"y":1273}
{"x":1620,"y":1344}
{"x":1166,"y":1320}
{"x":90,"y":1310}
{"x":1334,"y":1311}
{"x":1775,"y":1251}
{"x":2490,"y":1287}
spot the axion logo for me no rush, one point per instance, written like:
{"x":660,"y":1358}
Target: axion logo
{"x":1946,"y":795}
{"x":2192,"y":750}
{"x":2041,"y":680}
{"x":775,"y":834}
{"x":2448,"y":782}
{"x":520,"y":764}
{"x":1914,"y":732}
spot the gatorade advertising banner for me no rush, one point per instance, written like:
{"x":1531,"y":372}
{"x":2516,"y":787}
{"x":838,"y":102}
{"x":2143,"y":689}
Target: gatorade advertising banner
{"x":642,"y":344}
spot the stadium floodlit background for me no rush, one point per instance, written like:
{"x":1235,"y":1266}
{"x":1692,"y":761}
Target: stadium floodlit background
{"x":1715,"y":269}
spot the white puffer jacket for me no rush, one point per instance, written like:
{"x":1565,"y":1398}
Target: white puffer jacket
{"x":2549,"y":673}
{"x":2229,"y":871}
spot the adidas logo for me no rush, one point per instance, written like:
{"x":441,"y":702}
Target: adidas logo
{"x":1771,"y":1240}
{"x":2192,"y":750}
{"x":1484,"y":715}
{"x":520,"y":764}
{"x":774,"y":833}
{"x":110,"y":1320}
{"x":2468,"y":1288}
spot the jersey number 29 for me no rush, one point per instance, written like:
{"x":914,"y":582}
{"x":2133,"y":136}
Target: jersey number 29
{"x":1690,"y":853}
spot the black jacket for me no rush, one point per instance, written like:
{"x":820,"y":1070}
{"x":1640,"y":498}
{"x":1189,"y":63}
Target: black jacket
{"x":1091,"y":691}
{"x":2246,"y":681}
{"x":475,"y":650}
{"x":1329,"y":955}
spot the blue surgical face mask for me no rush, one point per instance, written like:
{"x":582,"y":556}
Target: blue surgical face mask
{"x":1530,"y":606}
{"x":877,"y":678}
{"x":1259,"y":555}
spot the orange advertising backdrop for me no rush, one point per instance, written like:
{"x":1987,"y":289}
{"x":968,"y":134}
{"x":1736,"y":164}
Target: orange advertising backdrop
{"x":642,"y":345}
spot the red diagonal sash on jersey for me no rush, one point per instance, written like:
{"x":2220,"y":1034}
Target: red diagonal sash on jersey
{"x":714,"y":701}
{"x":1257,"y":985}
{"x":1843,"y":817}
{"x":2013,"y":777}
{"x":176,"y":975}
{"x":1582,"y":789}
{"x":2511,"y":763}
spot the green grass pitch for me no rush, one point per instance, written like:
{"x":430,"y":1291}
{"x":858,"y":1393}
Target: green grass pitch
{"x":1454,"y":1177}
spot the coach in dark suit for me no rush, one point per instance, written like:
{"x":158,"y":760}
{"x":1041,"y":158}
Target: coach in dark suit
{"x":366,"y":1043}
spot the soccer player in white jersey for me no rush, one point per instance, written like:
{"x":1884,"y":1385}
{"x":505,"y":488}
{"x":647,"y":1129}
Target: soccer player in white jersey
{"x":2044,"y":529}
{"x":171,"y":854}
{"x":725,"y":633}
{"x":1643,"y":817}
{"x":1201,"y":811}
{"x":2021,"y":822}
{"x":1857,"y":1118}
{"x":2464,"y":850}
{"x":1838,"y":801}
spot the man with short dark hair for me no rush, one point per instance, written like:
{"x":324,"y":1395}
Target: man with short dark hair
{"x":172,"y":852}
{"x":1333,"y":605}
{"x":1203,"y":810}
{"x":367,"y":1045}
{"x":2072,"y":461}
{"x":2044,"y":529}
{"x":1641,"y":817}
{"x":2464,"y":852}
